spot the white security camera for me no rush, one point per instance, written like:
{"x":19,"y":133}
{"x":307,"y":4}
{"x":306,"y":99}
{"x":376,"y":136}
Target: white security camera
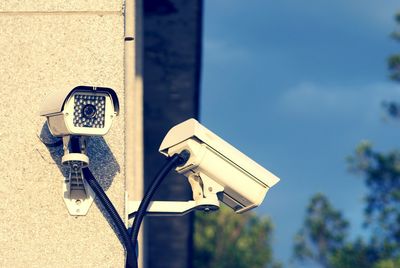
{"x":82,"y":111}
{"x":74,"y":114}
{"x":216,"y":172}
{"x":225,"y":172}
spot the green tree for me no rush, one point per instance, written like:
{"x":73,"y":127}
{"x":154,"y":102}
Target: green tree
{"x":394,"y":60}
{"x":354,"y":254}
{"x":323,"y":233}
{"x":381,"y":172}
{"x":393,"y":107}
{"x":224,"y":239}
{"x":388,"y":263}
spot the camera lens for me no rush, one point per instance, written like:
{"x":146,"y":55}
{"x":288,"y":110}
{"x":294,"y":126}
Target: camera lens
{"x":89,"y":111}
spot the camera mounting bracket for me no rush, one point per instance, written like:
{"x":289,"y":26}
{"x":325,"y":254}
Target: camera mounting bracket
{"x":205,"y":198}
{"x":77,"y":194}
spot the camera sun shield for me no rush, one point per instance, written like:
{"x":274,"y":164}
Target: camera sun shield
{"x":83,"y":111}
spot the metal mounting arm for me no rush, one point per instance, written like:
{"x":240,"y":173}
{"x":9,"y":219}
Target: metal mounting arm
{"x":77,"y":194}
{"x":204,"y":198}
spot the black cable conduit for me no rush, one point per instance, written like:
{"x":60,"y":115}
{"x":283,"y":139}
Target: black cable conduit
{"x":108,"y":206}
{"x":173,"y":162}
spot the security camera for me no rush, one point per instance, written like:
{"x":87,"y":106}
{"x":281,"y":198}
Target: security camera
{"x":75,"y":114}
{"x":216,"y":172}
{"x":222,"y":170}
{"x":82,"y":111}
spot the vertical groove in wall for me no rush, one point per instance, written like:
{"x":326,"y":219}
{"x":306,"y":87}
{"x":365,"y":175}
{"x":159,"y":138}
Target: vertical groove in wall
{"x":134,"y":108}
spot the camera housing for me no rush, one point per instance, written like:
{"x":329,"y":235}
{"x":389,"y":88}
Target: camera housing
{"x":81,"y":111}
{"x":234,"y":178}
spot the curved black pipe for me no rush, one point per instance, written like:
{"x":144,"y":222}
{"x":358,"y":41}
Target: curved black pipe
{"x":108,"y":206}
{"x":112,"y":212}
{"x":173,"y":162}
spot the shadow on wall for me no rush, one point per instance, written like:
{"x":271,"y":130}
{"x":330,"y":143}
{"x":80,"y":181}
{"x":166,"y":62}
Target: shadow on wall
{"x":102,"y":162}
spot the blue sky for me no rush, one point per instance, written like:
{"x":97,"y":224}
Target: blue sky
{"x":296,"y":85}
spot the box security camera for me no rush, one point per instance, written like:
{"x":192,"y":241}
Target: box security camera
{"x":238,"y":181}
{"x":83,"y":111}
{"x":75,"y":114}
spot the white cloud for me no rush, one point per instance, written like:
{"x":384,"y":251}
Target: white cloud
{"x":363,"y":102}
{"x":220,"y":51}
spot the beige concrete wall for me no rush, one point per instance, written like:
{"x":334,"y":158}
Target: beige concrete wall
{"x":45,"y":45}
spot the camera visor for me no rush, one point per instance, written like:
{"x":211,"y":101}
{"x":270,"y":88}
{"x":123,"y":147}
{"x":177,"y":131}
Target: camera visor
{"x":89,"y":111}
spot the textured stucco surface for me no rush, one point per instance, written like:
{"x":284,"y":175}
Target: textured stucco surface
{"x":60,"y":5}
{"x":39,"y":53}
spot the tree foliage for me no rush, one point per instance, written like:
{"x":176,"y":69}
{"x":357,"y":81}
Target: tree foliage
{"x":323,"y":233}
{"x":388,"y":263}
{"x":354,"y":254}
{"x":381,"y":173}
{"x":393,"y":107}
{"x":394,"y":60}
{"x":322,"y":238}
{"x":224,"y":239}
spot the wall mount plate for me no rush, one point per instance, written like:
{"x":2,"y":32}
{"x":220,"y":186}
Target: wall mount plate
{"x":77,"y":194}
